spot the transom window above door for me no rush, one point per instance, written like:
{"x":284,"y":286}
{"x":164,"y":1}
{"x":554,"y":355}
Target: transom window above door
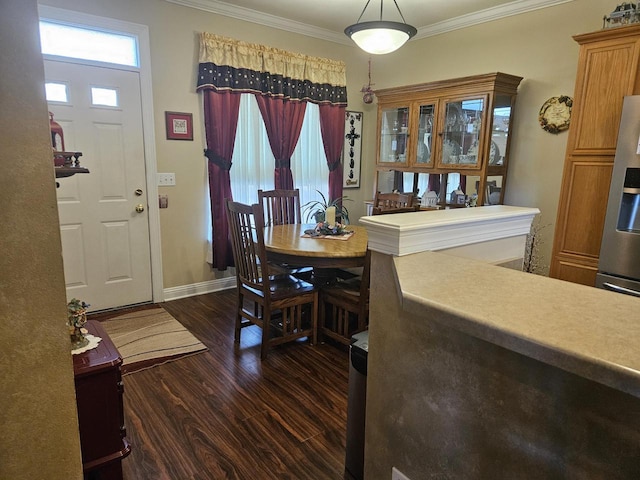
{"x":87,"y":44}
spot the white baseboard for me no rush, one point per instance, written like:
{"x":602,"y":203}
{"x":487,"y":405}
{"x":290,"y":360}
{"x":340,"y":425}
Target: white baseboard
{"x":174,"y":293}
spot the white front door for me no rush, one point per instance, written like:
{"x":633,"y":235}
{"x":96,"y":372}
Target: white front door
{"x":103,"y":215}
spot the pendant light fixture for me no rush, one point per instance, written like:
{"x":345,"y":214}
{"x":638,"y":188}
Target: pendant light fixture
{"x":380,"y":36}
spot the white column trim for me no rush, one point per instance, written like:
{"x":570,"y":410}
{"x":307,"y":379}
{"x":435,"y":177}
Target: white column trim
{"x":406,"y":233}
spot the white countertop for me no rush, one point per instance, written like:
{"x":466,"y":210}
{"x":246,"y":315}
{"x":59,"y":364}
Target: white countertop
{"x":583,"y":330}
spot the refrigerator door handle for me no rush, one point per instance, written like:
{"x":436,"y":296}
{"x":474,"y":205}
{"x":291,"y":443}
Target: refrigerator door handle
{"x":619,"y":289}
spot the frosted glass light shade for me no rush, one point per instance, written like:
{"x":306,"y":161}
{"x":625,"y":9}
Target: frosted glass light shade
{"x":380,"y":37}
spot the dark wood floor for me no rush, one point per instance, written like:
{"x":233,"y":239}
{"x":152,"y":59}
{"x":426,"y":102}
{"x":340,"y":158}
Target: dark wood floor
{"x":224,"y":414}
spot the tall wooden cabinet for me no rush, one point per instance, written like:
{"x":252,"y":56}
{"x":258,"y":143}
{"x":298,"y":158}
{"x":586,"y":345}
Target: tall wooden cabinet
{"x":460,"y":126}
{"x":607,"y":71}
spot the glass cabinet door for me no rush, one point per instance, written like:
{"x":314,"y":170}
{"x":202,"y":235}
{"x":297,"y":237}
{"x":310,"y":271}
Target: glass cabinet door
{"x":500,"y":130}
{"x":461,"y":136}
{"x":394,"y":135}
{"x":425,"y":135}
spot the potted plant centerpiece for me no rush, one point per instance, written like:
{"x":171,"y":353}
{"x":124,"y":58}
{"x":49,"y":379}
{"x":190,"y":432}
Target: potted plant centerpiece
{"x":338,"y":213}
{"x":316,"y":209}
{"x":76,"y":319}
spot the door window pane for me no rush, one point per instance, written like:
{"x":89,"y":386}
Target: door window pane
{"x":104,"y":96}
{"x":56,"y":92}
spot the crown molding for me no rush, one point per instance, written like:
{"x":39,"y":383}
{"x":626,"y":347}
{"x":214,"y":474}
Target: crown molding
{"x":241,"y":13}
{"x":254,"y":16}
{"x":488,"y":15}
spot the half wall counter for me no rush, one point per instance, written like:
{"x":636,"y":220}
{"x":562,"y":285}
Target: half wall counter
{"x":479,"y":371}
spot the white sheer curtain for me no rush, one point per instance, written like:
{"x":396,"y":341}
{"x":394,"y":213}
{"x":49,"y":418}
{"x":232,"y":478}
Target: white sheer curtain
{"x":253,"y":162}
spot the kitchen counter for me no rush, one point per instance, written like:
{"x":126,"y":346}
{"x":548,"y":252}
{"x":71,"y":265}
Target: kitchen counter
{"x":477,"y":371}
{"x":587,"y":331}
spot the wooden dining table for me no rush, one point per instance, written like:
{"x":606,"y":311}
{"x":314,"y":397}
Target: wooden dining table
{"x":287,"y":244}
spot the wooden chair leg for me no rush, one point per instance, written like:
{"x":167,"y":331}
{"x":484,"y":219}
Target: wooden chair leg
{"x":345,"y":318}
{"x":238,"y":327}
{"x":266,"y":332}
{"x":320,"y":321}
{"x":238,"y":318}
{"x":314,"y":320}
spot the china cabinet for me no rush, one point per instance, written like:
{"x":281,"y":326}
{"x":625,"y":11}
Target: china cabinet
{"x":607,"y":72}
{"x":449,"y":138}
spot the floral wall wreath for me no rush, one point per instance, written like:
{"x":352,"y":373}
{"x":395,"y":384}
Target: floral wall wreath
{"x":555,"y":114}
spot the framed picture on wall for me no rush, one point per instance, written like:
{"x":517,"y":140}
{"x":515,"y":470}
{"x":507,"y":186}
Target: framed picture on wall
{"x":351,"y":151}
{"x":179,"y":125}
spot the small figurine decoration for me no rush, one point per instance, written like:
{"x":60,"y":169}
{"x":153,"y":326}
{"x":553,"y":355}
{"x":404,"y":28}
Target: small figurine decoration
{"x":76,"y":319}
{"x":368,"y":92}
{"x":56,"y":132}
{"x":626,"y":13}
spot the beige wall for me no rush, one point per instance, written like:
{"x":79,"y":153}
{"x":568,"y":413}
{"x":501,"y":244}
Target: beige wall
{"x":537,"y":46}
{"x":39,"y":437}
{"x":173,"y":34}
{"x":38,"y":417}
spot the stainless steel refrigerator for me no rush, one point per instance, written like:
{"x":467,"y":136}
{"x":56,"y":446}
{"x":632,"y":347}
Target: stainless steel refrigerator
{"x":619,"y":267}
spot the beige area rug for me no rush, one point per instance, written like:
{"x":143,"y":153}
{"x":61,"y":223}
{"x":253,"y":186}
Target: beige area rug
{"x":150,"y":337}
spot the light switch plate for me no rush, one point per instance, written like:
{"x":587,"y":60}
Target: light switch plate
{"x":166,"y":179}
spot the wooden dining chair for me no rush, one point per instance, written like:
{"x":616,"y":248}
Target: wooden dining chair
{"x":282,"y":207}
{"x":283,"y":306}
{"x":385,"y":203}
{"x":344,"y":306}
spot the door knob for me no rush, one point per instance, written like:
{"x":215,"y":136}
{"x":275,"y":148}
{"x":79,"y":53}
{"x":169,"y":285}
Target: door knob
{"x":140,"y":208}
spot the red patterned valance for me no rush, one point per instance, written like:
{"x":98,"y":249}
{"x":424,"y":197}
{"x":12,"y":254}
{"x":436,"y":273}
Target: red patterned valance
{"x":228,"y":64}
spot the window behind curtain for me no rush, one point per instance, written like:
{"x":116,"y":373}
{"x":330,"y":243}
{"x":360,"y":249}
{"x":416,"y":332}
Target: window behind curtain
{"x":253,"y":162}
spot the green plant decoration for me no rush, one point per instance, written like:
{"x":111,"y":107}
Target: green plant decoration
{"x":316,"y":209}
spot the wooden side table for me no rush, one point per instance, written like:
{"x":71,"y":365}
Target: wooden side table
{"x":99,"y":391}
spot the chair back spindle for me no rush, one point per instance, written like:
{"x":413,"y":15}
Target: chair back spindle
{"x":385,"y":203}
{"x":246,"y":248}
{"x":280,"y":207}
